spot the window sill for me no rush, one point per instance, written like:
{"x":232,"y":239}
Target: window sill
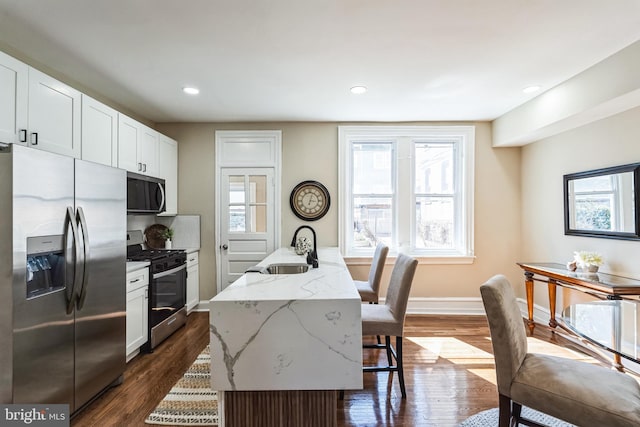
{"x":433,"y":260}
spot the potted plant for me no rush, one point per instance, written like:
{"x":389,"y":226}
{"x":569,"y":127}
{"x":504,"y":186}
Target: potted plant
{"x":589,"y":261}
{"x":167,"y":235}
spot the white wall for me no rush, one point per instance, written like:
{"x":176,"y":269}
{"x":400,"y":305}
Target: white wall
{"x":608,"y":142}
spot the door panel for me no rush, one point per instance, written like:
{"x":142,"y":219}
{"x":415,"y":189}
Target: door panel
{"x":42,"y":329}
{"x":99,"y":132}
{"x":247,"y":220}
{"x":54,"y":114}
{"x":101,"y":316}
{"x":13,"y":98}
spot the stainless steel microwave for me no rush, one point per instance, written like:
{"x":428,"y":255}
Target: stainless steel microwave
{"x":145,"y":194}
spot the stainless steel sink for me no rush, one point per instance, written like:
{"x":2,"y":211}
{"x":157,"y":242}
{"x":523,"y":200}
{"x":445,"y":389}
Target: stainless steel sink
{"x":286,"y":268}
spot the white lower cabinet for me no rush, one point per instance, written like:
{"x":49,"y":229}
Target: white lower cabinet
{"x":137,"y":310}
{"x":193,"y":281}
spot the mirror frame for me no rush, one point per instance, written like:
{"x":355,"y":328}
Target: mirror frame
{"x":633,"y":167}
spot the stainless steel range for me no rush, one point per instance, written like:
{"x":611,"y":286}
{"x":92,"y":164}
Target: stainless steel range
{"x":167,"y":287}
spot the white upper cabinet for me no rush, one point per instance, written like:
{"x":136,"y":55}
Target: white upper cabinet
{"x":168,"y":170}
{"x":129,"y":138}
{"x":148,"y":153}
{"x":99,"y":132}
{"x":14,"y":87}
{"x":54,"y":115}
{"x":137,"y":147}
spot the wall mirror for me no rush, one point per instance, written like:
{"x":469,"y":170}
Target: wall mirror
{"x":603,"y":203}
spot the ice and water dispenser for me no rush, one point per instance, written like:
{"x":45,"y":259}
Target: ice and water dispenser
{"x":45,"y":265}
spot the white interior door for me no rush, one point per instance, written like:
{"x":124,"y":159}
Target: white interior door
{"x":247,"y":220}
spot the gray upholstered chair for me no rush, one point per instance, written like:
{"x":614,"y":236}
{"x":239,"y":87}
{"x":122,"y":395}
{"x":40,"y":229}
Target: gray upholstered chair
{"x":577,"y":392}
{"x":388,"y":319}
{"x":369,"y":289}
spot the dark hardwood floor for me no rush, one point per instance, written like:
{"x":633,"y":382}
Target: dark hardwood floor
{"x":148,"y":378}
{"x":449,"y":374}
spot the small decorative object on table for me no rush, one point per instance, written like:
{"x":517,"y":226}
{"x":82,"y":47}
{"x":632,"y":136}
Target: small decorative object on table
{"x":588,"y":261}
{"x":167,"y":235}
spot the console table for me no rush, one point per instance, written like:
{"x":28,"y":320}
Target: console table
{"x":611,"y":325}
{"x":600,"y":285}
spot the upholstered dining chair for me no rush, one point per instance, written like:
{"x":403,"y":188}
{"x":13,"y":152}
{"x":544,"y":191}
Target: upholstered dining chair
{"x":369,"y":289}
{"x":388,"y":319}
{"x":577,"y":392}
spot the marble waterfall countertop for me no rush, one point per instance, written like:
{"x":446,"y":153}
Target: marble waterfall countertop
{"x":288,"y":331}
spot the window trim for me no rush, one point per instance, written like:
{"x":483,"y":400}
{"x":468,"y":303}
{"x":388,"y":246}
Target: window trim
{"x":464,"y":135}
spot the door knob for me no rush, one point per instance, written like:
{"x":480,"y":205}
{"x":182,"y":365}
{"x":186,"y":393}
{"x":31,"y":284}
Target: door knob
{"x":224,"y":247}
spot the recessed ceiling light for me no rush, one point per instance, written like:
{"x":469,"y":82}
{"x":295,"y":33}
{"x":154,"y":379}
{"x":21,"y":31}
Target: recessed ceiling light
{"x":191,"y":90}
{"x":358,"y":89}
{"x":531,"y":89}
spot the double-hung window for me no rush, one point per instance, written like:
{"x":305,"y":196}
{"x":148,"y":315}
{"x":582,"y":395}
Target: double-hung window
{"x":410,"y":187}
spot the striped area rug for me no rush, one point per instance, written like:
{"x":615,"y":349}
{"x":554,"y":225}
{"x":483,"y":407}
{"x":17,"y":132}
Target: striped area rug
{"x":190,"y":402}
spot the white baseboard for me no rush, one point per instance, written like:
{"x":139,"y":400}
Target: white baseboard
{"x":202,"y":306}
{"x":457,"y":306}
{"x":467,"y":306}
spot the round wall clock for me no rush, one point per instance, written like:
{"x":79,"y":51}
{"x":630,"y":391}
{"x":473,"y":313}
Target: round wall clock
{"x":310,"y":200}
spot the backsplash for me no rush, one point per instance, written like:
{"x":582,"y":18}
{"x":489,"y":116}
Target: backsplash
{"x":186,"y":228}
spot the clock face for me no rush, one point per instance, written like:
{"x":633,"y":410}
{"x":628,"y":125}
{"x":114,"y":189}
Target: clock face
{"x":310,"y":200}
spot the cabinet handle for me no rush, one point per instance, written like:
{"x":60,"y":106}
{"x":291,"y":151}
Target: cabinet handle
{"x":135,"y":281}
{"x":192,"y":259}
{"x":146,"y":294}
{"x":139,"y":167}
{"x":23,"y":135}
{"x":144,"y":167}
{"x":34,"y":138}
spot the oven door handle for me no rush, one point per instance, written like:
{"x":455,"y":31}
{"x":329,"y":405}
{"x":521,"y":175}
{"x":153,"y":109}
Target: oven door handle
{"x":168,"y":272}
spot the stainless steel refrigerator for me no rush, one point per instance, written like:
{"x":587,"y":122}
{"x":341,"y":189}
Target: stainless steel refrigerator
{"x":62,"y":277}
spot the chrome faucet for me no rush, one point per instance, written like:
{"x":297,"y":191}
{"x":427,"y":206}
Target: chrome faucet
{"x":312,"y":257}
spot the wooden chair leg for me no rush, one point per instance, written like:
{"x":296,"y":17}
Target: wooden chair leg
{"x":378,"y":336}
{"x":387,"y":342}
{"x":516,"y":409}
{"x":400,"y":367}
{"x":504,"y":405}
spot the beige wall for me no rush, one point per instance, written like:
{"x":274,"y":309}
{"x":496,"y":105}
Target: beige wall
{"x":310,"y":151}
{"x":608,"y":142}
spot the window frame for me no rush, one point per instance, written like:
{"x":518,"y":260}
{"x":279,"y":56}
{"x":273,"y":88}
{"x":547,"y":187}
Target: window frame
{"x":404,"y":140}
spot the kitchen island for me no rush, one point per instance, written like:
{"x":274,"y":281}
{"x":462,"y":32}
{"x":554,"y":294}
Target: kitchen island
{"x":282,"y":344}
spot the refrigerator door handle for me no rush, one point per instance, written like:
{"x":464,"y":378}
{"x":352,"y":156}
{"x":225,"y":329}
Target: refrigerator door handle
{"x":71,"y":288}
{"x":82,"y":292}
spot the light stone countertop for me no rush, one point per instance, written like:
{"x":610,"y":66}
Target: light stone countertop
{"x":288,"y":332}
{"x":331,"y":280}
{"x":136,"y":265}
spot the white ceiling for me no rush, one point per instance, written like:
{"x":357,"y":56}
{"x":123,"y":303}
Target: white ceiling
{"x":295,"y":60}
